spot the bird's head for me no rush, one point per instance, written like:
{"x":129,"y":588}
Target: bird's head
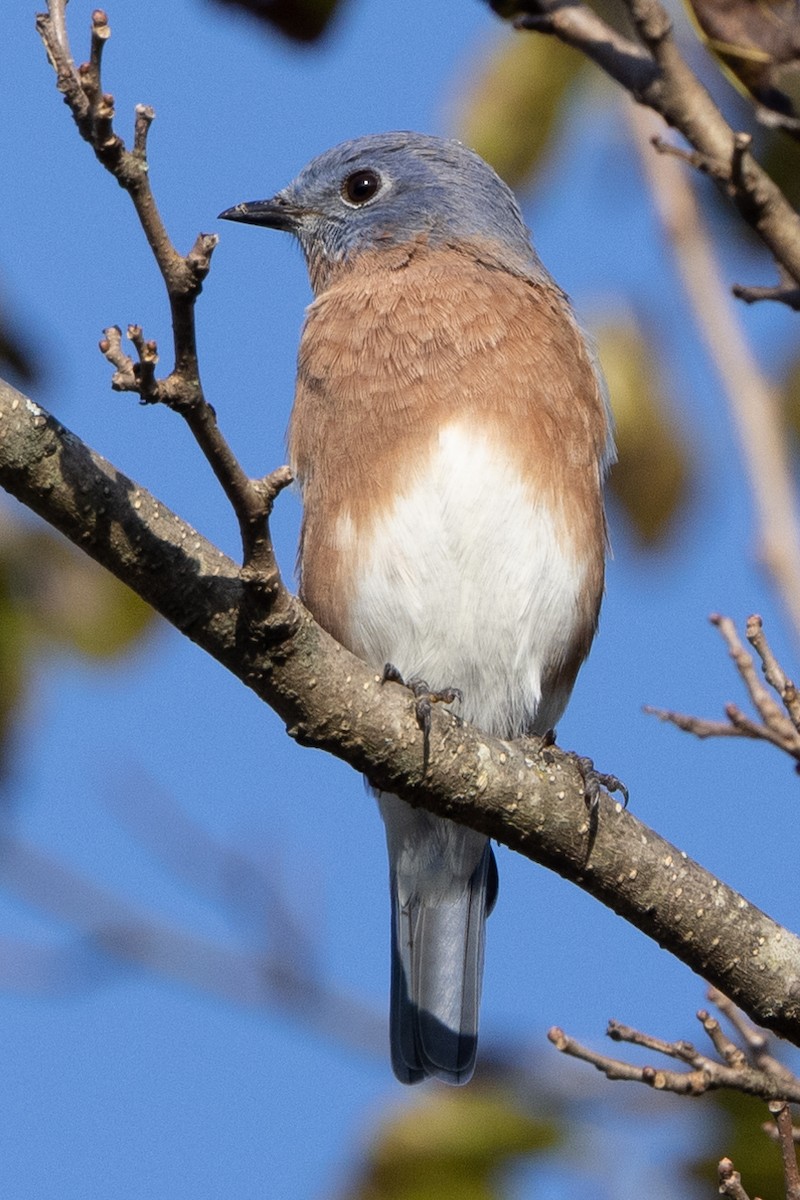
{"x":394,"y":188}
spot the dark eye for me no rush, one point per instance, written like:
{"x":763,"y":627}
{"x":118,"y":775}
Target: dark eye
{"x":361,"y":186}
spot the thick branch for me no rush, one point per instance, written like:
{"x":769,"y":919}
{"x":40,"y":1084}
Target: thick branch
{"x":526,"y":797}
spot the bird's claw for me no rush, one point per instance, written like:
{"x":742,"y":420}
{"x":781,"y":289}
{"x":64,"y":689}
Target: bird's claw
{"x":594,"y":781}
{"x":423,"y":696}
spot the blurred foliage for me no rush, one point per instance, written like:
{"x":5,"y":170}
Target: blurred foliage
{"x":653,"y":477}
{"x":735,"y":1126}
{"x":54,"y":598}
{"x":300,"y":20}
{"x":16,"y":355}
{"x":780,"y":157}
{"x":757,"y":45}
{"x":515,"y":100}
{"x":791,"y":397}
{"x":454,"y":1144}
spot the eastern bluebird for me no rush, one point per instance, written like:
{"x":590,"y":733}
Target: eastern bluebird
{"x":450,"y":435}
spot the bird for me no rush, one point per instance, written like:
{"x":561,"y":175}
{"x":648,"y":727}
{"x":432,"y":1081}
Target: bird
{"x":450,"y":436}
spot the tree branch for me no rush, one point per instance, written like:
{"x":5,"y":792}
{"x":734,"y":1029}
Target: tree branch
{"x":746,"y":1067}
{"x":93,"y":112}
{"x":527,"y":796}
{"x":274,"y":966}
{"x":778,"y":726}
{"x":655,"y":74}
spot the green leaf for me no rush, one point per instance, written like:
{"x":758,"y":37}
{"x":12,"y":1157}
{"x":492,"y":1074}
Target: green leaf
{"x":791,"y":397}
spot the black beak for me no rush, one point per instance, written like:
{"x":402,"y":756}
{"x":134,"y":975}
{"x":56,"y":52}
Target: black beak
{"x":276,"y":213}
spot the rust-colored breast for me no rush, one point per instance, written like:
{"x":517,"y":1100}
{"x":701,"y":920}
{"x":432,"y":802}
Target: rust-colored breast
{"x":408,"y":340}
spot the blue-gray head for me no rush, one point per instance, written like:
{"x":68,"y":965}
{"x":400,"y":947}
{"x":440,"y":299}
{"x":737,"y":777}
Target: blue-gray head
{"x":392,"y":188}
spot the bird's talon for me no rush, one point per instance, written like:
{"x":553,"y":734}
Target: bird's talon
{"x":594,"y":781}
{"x":612,"y":784}
{"x":422,"y":710}
{"x":547,"y":741}
{"x":425,"y":698}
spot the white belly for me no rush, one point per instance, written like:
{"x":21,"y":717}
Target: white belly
{"x":469,"y":582}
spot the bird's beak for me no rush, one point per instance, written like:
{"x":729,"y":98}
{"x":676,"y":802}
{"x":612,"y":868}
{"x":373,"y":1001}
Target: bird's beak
{"x":277,"y":213}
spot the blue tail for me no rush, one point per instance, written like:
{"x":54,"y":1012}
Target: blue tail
{"x":444,"y":883}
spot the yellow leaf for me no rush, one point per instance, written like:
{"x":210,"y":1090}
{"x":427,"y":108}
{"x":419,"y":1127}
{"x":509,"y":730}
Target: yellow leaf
{"x":453,"y":1144}
{"x":652,"y":479}
{"x":71,"y":601}
{"x":515,"y":100}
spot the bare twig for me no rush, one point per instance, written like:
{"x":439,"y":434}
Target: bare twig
{"x":728,"y":1051}
{"x":778,"y":726}
{"x":785,"y":291}
{"x":770,"y":1129}
{"x":752,"y":1038}
{"x":736,"y":1068}
{"x":699,"y":726}
{"x":787,"y":294}
{"x":730,"y":1181}
{"x":783,"y":1121}
{"x":773,"y":671}
{"x":777,"y":723}
{"x":181,"y":390}
{"x":656,"y":75}
{"x":699,"y":161}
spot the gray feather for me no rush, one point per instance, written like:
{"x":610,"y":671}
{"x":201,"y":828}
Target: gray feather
{"x":443,"y":882}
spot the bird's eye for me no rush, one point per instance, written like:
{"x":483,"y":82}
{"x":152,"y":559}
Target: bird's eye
{"x":361,"y":186}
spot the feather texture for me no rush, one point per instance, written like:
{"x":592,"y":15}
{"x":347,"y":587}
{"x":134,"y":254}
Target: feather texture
{"x":441,"y":401}
{"x":450,"y":435}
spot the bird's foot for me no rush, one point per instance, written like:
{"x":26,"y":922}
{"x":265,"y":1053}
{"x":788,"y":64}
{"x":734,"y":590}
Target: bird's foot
{"x":423,"y":696}
{"x":594,"y":781}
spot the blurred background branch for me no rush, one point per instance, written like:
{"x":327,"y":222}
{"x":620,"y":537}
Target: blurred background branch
{"x":754,"y":402}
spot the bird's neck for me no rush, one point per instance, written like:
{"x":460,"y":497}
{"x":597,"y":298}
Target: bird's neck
{"x":325,"y":272}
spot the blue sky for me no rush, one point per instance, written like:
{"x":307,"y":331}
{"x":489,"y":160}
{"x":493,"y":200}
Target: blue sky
{"x":137,"y":1087}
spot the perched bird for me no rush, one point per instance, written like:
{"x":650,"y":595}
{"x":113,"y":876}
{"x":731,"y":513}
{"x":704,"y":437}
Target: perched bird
{"x":450,"y":435}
